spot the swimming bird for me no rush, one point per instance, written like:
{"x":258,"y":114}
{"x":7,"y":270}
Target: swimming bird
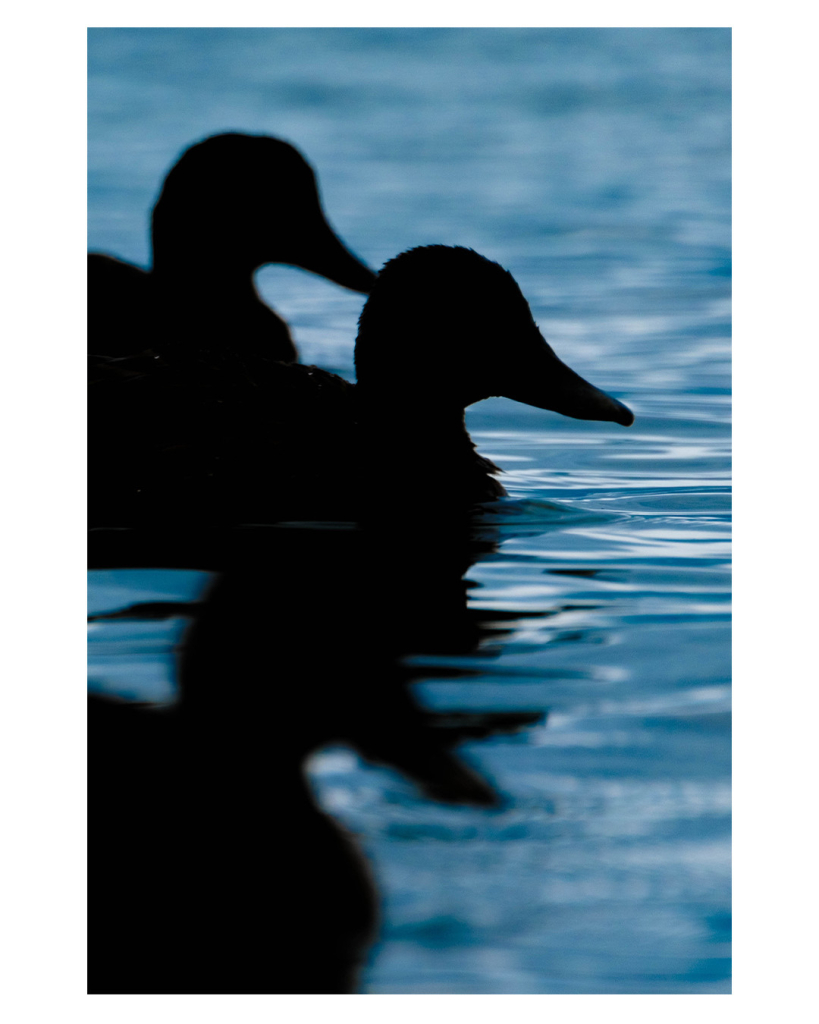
{"x":231,"y":204}
{"x":202,"y":441}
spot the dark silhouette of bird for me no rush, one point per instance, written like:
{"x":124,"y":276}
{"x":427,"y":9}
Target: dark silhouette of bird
{"x":201,"y":438}
{"x":231,"y":204}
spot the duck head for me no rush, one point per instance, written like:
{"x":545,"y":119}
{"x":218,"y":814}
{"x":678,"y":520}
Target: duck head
{"x":447,"y":327}
{"x":246,"y":200}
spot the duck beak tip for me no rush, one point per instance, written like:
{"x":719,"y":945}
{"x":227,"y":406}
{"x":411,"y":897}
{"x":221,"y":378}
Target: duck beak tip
{"x":626,"y":417}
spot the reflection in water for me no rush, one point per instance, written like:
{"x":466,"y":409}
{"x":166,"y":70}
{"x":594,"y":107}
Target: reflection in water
{"x":211,"y":867}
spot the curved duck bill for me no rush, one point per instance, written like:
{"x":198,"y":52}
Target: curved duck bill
{"x":547,"y":383}
{"x":328,"y":256}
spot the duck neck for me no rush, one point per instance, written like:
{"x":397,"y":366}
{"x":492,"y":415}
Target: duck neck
{"x":404,"y":437}
{"x":204,"y":273}
{"x":416,"y":421}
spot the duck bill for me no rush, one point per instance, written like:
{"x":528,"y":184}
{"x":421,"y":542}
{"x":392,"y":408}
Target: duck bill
{"x":328,"y":256}
{"x":547,"y":383}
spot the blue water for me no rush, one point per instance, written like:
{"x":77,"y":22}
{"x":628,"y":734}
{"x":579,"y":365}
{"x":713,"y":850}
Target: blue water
{"x":594,"y":164}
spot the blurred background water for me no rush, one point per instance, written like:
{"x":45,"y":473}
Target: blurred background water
{"x":594,"y":165}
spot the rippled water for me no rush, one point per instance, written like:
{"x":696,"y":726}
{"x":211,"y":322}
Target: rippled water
{"x":594,"y":164}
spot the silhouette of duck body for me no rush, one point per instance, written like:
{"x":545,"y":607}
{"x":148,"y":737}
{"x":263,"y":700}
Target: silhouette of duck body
{"x":443,"y":328}
{"x":230,"y":205}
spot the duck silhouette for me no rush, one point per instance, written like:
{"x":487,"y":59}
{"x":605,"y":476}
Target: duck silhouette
{"x":231,"y":204}
{"x":201,"y":440}
{"x":212,"y":866}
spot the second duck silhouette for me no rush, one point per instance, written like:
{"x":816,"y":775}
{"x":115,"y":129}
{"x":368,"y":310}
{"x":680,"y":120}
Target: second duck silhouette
{"x":231,"y":204}
{"x":204,"y":442}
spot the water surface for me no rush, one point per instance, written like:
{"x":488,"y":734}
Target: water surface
{"x":594,"y":164}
